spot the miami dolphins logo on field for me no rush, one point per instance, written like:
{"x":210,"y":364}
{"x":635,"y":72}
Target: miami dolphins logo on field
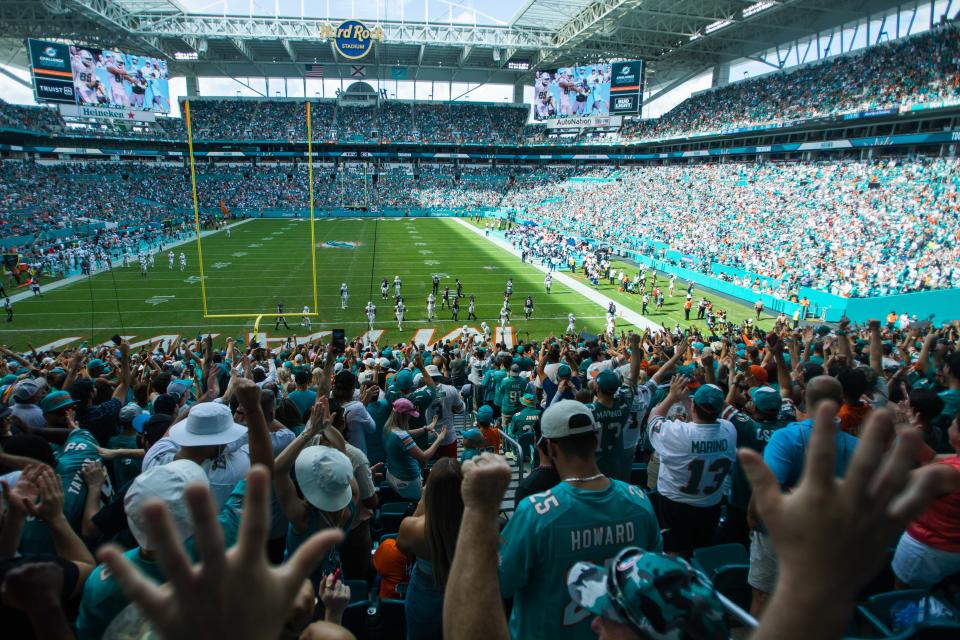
{"x":340,"y":244}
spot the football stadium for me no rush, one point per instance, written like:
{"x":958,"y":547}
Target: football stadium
{"x":617,"y":319}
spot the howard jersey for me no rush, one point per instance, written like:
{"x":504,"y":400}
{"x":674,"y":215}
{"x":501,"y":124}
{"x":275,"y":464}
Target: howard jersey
{"x":695,"y":459}
{"x":612,"y":422}
{"x":553,"y":530}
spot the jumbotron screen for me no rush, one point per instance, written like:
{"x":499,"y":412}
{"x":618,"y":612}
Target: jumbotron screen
{"x":582,"y":92}
{"x":88,"y":76}
{"x":572,"y":91}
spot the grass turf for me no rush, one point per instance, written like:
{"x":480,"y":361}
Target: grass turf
{"x":266,"y":261}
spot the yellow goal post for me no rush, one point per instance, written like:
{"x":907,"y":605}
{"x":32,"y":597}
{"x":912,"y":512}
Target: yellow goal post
{"x":196,"y":223}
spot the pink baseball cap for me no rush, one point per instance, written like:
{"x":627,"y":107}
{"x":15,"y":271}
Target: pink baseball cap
{"x":404,"y":406}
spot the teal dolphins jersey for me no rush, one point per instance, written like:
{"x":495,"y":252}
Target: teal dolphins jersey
{"x":491,"y":385}
{"x":124,"y":469}
{"x":511,"y":390}
{"x":552,"y":531}
{"x":79,"y":446}
{"x":612,"y":421}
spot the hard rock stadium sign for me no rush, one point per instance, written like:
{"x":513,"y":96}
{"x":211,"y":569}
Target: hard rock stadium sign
{"x":352,"y":39}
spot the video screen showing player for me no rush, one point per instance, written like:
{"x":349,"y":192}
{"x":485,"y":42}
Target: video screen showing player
{"x":572,"y":92}
{"x":113,"y":79}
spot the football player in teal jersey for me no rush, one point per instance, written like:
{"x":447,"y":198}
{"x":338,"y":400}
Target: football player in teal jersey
{"x":586,"y":518}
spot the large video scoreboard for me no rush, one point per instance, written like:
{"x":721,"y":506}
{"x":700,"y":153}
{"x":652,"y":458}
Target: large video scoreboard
{"x":591,"y":93}
{"x":88,"y":76}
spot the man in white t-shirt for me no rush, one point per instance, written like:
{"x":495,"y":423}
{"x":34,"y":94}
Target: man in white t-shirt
{"x":695,"y":459}
{"x":447,"y":404}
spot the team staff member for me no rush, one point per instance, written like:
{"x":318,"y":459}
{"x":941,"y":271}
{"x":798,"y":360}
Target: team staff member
{"x":586,"y":518}
{"x":695,"y":458}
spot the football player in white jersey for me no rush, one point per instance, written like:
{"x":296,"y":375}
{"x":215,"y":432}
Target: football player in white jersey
{"x":344,"y":294}
{"x":183,"y":261}
{"x":396,"y":285}
{"x":305,"y":320}
{"x":398,"y":311}
{"x":371,"y":314}
{"x":548,"y":281}
{"x":84,"y":76}
{"x":571,"y":324}
{"x":431,"y":307}
{"x":117,"y":74}
{"x":170,"y":258}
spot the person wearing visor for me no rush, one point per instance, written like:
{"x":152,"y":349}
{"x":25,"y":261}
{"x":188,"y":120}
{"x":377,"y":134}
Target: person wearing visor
{"x":643,"y":595}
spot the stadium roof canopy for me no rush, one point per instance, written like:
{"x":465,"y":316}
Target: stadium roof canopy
{"x":678,"y":38}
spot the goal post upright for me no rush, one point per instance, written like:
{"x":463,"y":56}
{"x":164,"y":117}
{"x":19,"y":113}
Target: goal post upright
{"x":196,"y":205}
{"x":196,"y":223}
{"x":313,"y":247}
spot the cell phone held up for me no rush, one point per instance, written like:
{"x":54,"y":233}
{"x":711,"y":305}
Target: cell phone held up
{"x":338,"y":340}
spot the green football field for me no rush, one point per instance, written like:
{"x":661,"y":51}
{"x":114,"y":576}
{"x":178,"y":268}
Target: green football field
{"x":268,"y":261}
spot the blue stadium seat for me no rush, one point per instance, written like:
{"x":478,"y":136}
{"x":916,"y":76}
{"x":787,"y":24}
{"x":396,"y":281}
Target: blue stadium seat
{"x":392,"y":514}
{"x":356,"y":620}
{"x":897,"y":612}
{"x":710,"y":559}
{"x":393,"y":620}
{"x":731,"y":581}
{"x":359,"y":590}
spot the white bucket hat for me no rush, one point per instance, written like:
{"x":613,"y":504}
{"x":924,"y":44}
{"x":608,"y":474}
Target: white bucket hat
{"x":209,"y":423}
{"x":324,"y":476}
{"x":167,"y":484}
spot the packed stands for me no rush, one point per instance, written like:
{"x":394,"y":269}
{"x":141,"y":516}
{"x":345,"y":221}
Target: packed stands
{"x":917,"y":70}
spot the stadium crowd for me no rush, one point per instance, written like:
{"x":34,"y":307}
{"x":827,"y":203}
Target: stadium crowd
{"x":913,"y":71}
{"x":122,"y":468}
{"x":918,"y":70}
{"x":854,"y":229}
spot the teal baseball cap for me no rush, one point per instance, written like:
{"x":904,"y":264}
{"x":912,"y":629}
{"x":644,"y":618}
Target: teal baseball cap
{"x":485,"y":415}
{"x":528,"y":400}
{"x":564,"y":371}
{"x":473,"y":435}
{"x":709,"y":397}
{"x":608,"y":381}
{"x":766,"y":399}
{"x":403,"y":381}
{"x":56,"y":400}
{"x":661,"y":597}
{"x":97,"y":363}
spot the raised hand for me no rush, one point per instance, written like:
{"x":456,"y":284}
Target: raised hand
{"x":235,"y":594}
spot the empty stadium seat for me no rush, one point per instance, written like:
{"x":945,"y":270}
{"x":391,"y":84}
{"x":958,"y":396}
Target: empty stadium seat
{"x":359,"y":590}
{"x":710,"y":559}
{"x":731,"y":581}
{"x":392,"y":514}
{"x":356,"y":620}
{"x":897,"y":612}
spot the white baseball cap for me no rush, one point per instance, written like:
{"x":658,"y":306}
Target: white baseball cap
{"x":370,"y":362}
{"x":208,"y":423}
{"x":324,"y":476}
{"x":433,"y":371}
{"x":383,"y":363}
{"x":167,"y":484}
{"x":567,"y":418}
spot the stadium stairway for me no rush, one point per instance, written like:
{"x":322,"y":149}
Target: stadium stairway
{"x":518,"y":468}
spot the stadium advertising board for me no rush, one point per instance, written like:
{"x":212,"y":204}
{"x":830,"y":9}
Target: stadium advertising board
{"x":591,"y":91}
{"x":105,"y":113}
{"x":588,"y":121}
{"x":87,"y":76}
{"x":626,"y":86}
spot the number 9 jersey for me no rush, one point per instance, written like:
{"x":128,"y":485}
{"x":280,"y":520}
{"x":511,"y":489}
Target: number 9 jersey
{"x":695,"y":459}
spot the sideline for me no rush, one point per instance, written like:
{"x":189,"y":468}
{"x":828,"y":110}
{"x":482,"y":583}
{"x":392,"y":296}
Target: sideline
{"x":116,"y":262}
{"x":634,"y":318}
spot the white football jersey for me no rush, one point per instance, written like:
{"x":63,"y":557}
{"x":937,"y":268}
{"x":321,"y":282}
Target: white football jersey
{"x":695,"y":459}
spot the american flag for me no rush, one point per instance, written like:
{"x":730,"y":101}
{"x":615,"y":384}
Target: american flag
{"x":314,"y":71}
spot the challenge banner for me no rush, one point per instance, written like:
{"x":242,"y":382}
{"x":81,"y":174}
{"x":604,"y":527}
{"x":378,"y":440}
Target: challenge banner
{"x":626,"y":86}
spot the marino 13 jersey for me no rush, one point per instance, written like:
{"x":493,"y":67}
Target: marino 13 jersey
{"x":552,"y":531}
{"x":695,"y":459}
